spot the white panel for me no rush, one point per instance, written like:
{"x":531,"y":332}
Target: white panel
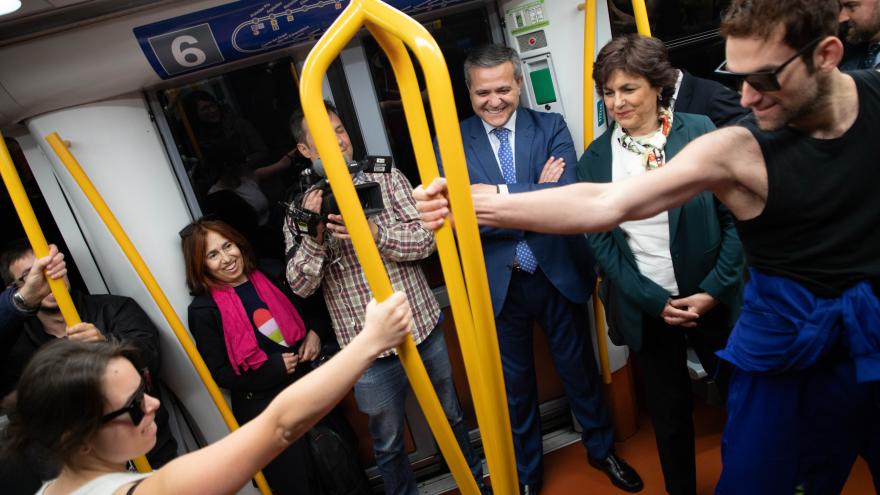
{"x":363,"y":95}
{"x":63,"y":216}
{"x":119,"y":149}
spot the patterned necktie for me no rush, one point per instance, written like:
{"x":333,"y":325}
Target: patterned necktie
{"x":870,"y":60}
{"x":524,"y":256}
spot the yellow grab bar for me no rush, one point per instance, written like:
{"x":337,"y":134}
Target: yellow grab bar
{"x":150,"y":283}
{"x":589,"y":105}
{"x":641,"y":14}
{"x":479,"y":349}
{"x":41,"y":248}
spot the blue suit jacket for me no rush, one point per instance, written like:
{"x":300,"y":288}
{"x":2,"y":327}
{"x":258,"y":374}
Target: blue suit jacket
{"x":706,"y":252}
{"x":564,"y":259}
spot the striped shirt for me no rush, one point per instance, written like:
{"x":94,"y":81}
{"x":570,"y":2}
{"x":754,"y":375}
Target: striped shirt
{"x":402,"y":243}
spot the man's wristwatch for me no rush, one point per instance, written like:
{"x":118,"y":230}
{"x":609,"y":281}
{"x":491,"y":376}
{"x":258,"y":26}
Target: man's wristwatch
{"x":20,"y":304}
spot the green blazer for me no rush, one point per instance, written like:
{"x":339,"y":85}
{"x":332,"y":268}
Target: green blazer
{"x":706,"y":252}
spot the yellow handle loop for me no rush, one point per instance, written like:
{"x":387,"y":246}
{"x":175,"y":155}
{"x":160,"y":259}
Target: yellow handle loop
{"x":150,"y":283}
{"x":471,"y":307}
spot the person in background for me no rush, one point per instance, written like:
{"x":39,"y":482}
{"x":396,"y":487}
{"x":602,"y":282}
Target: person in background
{"x":329,"y":260}
{"x":17,"y":303}
{"x":860,"y":25}
{"x":103,"y":316}
{"x":250,"y":335}
{"x":535,"y":277}
{"x":673,"y":280}
{"x":85,"y":403}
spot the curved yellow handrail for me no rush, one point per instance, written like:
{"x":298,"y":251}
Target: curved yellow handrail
{"x":150,"y":283}
{"x":479,"y":349}
{"x":41,"y":248}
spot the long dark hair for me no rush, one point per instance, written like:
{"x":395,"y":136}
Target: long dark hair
{"x":193,"y":240}
{"x":59,"y":401}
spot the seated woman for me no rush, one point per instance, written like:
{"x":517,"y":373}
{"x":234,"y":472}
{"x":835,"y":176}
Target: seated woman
{"x":670,"y":281}
{"x":85,"y":404}
{"x":250,"y":335}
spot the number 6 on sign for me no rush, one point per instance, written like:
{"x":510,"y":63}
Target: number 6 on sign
{"x":181,"y":54}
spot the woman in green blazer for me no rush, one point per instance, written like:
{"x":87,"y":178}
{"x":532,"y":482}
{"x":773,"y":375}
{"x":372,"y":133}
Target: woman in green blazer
{"x":671,"y":281}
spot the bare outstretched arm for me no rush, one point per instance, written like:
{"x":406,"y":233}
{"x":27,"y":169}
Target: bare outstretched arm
{"x":703,"y":165}
{"x":227,"y":465}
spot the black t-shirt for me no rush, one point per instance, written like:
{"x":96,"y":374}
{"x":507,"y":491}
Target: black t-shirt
{"x":265,"y":327}
{"x":821,"y":222}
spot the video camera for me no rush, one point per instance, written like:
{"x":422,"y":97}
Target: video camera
{"x":305,"y":222}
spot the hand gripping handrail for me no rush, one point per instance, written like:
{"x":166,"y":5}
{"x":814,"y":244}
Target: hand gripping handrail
{"x":137,"y":262}
{"x":41,"y":248}
{"x":471,"y":305}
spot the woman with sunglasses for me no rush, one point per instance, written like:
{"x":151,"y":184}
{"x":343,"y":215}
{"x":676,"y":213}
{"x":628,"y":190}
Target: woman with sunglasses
{"x":85,"y":405}
{"x":250,"y":335}
{"x":670,"y":281}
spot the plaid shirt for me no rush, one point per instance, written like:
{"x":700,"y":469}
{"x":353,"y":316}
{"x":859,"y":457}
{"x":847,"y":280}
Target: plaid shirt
{"x":402,"y":243}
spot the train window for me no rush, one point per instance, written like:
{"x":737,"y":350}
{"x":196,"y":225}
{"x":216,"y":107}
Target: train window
{"x":232,"y":135}
{"x":688,"y":27}
{"x":455,"y":34}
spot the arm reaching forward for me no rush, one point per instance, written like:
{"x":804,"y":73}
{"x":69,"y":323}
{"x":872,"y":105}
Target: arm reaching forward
{"x":727,"y":162}
{"x":228,"y":464}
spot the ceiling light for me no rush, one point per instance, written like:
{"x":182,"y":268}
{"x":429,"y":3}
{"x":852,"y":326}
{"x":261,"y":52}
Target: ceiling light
{"x":9,"y":6}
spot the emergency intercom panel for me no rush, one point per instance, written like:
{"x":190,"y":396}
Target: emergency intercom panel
{"x":526,"y":27}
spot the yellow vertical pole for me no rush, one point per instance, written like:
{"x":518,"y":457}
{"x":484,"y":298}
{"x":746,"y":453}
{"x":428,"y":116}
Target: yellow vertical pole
{"x":137,"y":262}
{"x":486,"y":377}
{"x":641,"y":14}
{"x":590,"y":102}
{"x":41,"y":248}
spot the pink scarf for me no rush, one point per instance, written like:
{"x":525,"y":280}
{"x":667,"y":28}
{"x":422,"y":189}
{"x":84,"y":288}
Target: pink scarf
{"x":238,"y":331}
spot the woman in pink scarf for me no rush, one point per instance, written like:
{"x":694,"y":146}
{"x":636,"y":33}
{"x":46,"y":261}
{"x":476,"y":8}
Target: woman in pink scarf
{"x":250,"y":335}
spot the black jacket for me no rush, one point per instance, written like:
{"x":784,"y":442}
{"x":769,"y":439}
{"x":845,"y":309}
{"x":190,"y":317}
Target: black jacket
{"x":710,"y":98}
{"x":206,"y":327}
{"x":117,"y":316}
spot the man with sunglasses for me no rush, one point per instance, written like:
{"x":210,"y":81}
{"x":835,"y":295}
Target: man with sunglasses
{"x":801,"y":178}
{"x":103,"y":316}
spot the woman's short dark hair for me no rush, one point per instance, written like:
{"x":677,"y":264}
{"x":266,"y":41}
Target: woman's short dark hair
{"x":193,"y":242}
{"x":637,"y":55}
{"x":59,"y":402}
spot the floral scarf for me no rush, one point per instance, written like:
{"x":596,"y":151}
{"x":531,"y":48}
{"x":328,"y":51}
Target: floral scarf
{"x":650,"y":147}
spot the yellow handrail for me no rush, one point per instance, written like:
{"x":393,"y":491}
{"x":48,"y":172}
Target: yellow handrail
{"x":150,"y":283}
{"x":589,"y":106}
{"x":479,"y":348}
{"x":41,"y":248}
{"x":641,"y":14}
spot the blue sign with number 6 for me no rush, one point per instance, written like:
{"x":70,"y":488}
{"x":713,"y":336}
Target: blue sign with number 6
{"x":245,"y":28}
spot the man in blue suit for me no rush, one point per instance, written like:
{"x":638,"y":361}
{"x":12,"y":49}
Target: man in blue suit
{"x":534,"y":277}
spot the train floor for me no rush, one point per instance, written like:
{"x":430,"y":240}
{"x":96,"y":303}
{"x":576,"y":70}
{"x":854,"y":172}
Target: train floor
{"x":566,"y":471}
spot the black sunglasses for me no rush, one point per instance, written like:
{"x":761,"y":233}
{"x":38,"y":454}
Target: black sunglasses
{"x":764,"y":80}
{"x":191,"y":227}
{"x":134,"y":406}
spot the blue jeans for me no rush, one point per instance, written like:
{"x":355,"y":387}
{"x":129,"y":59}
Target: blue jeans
{"x":381,"y":394}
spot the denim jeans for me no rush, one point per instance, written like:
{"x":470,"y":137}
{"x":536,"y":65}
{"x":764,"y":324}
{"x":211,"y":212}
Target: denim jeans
{"x":381,"y":394}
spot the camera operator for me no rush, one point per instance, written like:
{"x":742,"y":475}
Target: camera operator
{"x":328,"y":257}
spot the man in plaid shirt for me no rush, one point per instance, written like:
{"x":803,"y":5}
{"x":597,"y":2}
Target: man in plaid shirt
{"x":330,"y":258}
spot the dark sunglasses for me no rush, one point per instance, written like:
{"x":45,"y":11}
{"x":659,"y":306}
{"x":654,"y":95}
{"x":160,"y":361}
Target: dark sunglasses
{"x":134,"y":406}
{"x":191,"y":227}
{"x":764,"y":80}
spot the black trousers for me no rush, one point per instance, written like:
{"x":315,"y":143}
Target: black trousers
{"x":668,"y":393}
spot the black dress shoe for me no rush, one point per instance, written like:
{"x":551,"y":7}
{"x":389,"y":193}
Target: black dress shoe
{"x":530,"y":489}
{"x":621,"y":474}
